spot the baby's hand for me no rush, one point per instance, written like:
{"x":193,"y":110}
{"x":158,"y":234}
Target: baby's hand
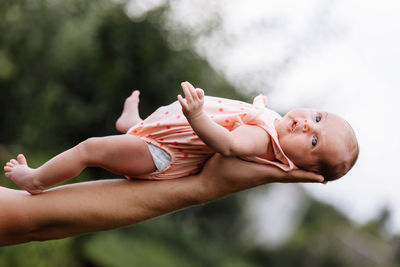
{"x":192,"y":105}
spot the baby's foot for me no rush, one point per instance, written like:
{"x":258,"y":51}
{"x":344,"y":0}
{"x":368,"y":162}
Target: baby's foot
{"x":19,"y":171}
{"x":130,"y":114}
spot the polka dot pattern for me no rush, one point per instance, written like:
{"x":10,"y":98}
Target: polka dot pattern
{"x":168,"y":128}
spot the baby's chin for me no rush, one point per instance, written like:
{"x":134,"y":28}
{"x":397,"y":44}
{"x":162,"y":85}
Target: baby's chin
{"x":280,"y":127}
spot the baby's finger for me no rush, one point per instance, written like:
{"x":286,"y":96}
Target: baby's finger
{"x":192,"y":91}
{"x":200,"y":93}
{"x":182,"y":102}
{"x":188,"y":95}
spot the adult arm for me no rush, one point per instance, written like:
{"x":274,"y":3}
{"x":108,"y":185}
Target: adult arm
{"x":101,"y":205}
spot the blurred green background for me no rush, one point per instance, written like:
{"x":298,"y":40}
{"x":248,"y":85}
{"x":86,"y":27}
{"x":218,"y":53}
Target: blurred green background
{"x":66,"y":68}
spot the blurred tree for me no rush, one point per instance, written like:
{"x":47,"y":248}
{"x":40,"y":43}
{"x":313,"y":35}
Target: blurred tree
{"x":327,"y":238}
{"x":53,"y":253}
{"x":67,"y":66}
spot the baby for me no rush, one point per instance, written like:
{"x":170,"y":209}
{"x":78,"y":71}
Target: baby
{"x":176,"y":140}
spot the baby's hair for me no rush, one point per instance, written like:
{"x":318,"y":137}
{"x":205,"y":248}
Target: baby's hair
{"x":334,"y":172}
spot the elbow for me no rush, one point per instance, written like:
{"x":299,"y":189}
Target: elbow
{"x":229,"y":149}
{"x":227,"y":152}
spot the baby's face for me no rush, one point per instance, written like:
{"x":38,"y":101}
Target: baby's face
{"x":308,"y":137}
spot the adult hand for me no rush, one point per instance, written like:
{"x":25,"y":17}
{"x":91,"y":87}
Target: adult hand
{"x":227,"y":175}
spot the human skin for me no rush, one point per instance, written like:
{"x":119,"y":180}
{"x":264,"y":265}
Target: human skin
{"x":309,"y":137}
{"x":245,"y":140}
{"x":125,"y":155}
{"x":306,"y":136}
{"x":75,"y":209}
{"x":106,"y":204}
{"x":128,"y":155}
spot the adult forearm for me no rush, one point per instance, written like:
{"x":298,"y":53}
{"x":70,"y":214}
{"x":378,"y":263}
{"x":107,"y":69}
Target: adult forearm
{"x":93,"y":206}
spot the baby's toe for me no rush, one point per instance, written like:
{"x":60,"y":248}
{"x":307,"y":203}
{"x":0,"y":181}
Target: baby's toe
{"x":21,"y":159}
{"x":14,"y":162}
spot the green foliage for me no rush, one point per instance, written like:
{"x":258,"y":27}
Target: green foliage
{"x":161,"y":242}
{"x":67,"y":66}
{"x":51,"y":253}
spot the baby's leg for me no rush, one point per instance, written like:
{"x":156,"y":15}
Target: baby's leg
{"x":125,"y":154}
{"x":120,"y":154}
{"x":130,"y":114}
{"x":62,"y":167}
{"x":19,"y":171}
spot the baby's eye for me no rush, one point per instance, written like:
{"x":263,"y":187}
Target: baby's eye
{"x":318,"y":118}
{"x":314,"y":141}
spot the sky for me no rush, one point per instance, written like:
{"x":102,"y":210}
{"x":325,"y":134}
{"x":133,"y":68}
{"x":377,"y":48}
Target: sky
{"x":341,"y":56}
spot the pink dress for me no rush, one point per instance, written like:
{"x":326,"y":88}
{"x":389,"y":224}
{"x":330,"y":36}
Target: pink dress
{"x":167,"y":128}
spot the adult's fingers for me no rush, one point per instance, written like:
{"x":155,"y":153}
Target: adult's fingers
{"x":302,"y":176}
{"x":269,"y":173}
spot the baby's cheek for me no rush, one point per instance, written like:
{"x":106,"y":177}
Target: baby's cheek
{"x":295,"y":154}
{"x":296,"y":161}
{"x":288,"y":148}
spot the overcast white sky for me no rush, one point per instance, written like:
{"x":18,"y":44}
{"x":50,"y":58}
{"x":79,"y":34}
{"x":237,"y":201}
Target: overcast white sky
{"x":342,"y":56}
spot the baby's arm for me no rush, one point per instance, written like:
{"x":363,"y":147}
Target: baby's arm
{"x":244,"y":140}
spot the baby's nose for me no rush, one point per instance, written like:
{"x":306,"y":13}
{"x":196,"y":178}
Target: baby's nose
{"x":306,"y":126}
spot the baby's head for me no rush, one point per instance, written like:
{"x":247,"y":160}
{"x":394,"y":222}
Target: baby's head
{"x":318,"y":141}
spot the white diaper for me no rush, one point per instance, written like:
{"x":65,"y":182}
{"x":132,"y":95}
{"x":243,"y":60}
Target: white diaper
{"x":161,"y":157}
